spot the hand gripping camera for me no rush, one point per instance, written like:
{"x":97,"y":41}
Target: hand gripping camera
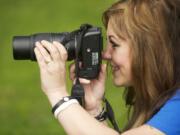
{"x":83,"y":45}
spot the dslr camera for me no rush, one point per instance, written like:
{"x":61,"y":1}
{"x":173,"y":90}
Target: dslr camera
{"x":83,"y":45}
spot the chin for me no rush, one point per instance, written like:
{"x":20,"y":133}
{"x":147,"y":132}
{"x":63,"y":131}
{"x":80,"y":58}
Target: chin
{"x":117,"y":82}
{"x":120,"y":83}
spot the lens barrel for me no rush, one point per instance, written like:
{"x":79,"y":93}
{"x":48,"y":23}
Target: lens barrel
{"x":21,"y":47}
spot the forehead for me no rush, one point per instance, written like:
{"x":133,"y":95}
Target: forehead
{"x":110,"y":29}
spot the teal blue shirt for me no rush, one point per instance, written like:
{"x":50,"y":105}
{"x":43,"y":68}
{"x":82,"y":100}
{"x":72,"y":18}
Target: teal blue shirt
{"x":167,"y":120}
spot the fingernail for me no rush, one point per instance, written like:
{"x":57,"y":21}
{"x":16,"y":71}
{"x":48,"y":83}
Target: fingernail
{"x":104,"y":66}
{"x":74,"y":81}
{"x":55,"y":42}
{"x":43,"y":41}
{"x":37,"y":43}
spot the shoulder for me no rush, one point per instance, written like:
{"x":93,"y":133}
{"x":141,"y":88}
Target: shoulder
{"x":165,"y":122}
{"x":167,"y":119}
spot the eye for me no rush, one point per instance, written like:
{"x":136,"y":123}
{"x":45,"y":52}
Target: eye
{"x":112,"y":42}
{"x":114,"y":45}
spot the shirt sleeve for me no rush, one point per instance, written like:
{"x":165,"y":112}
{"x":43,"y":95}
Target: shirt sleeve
{"x":167,"y":120}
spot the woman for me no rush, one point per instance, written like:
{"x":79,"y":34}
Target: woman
{"x":143,"y":38}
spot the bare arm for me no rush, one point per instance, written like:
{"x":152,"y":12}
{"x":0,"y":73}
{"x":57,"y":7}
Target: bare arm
{"x":74,"y":119}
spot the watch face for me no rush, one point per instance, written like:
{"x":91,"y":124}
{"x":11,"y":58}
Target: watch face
{"x":66,"y":99}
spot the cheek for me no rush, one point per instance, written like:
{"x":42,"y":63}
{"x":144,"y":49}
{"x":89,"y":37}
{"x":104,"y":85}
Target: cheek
{"x":122,"y":58}
{"x":125,"y":67}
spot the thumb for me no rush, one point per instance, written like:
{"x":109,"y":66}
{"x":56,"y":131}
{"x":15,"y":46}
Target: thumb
{"x":102,"y":74}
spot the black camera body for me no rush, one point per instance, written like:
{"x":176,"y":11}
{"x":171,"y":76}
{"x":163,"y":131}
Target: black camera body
{"x":83,"y":45}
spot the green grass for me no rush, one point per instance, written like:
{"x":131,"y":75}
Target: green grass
{"x":24,"y":109}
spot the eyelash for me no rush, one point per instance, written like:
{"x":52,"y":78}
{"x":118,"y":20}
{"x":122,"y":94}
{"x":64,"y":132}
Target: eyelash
{"x":114,"y":45}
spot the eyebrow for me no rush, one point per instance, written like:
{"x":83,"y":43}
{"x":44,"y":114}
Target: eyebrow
{"x":119,"y":36}
{"x":111,"y":40}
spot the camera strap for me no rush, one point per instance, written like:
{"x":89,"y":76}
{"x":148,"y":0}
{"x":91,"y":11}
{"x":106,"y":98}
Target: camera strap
{"x":77,"y":89}
{"x":110,"y":115}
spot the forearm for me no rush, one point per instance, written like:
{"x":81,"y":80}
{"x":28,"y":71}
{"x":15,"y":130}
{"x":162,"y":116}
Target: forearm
{"x":76,"y":121}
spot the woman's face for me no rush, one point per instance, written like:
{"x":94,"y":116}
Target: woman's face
{"x":118,"y":54}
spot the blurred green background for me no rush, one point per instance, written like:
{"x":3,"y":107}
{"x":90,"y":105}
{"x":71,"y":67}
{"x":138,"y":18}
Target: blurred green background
{"x":24,"y":109}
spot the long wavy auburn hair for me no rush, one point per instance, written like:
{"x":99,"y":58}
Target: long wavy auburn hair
{"x":154,"y":31}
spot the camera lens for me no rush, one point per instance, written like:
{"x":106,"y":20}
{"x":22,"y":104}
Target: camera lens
{"x":23,"y":46}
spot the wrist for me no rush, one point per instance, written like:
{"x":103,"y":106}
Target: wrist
{"x":55,"y":95}
{"x":62,"y":104}
{"x":95,"y":110}
{"x":99,"y":113}
{"x":102,"y":116}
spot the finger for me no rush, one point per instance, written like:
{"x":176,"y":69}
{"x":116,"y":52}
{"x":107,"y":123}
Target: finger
{"x":88,"y":92}
{"x":62,"y":50}
{"x":84,"y":81}
{"x":39,"y":58}
{"x":74,"y":81}
{"x":102,"y":74}
{"x":44,"y":52}
{"x":52,"y":49}
{"x":72,"y":71}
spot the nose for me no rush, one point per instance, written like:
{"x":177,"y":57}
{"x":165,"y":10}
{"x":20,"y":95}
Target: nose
{"x":106,"y":54}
